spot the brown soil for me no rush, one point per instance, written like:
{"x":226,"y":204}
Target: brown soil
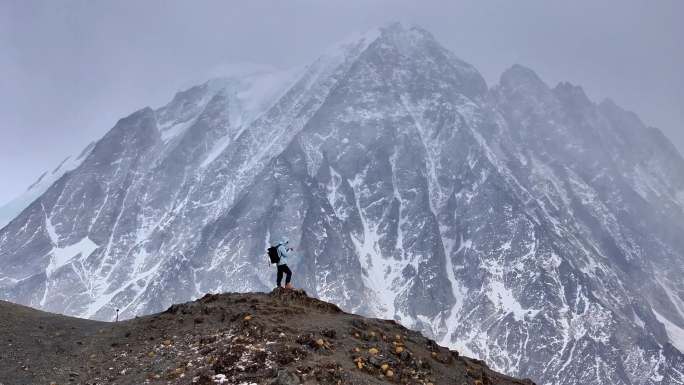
{"x":284,"y":338}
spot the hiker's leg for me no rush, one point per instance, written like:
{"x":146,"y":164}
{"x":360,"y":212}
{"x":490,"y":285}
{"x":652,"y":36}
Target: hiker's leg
{"x":288,"y":273}
{"x":280,"y":276}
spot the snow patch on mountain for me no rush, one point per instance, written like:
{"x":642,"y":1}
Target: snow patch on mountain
{"x":458,"y":291}
{"x":62,"y":256}
{"x":671,"y":295}
{"x":380,"y":274}
{"x":680,"y":198}
{"x":172,"y":130}
{"x":674,"y":332}
{"x":504,"y":299}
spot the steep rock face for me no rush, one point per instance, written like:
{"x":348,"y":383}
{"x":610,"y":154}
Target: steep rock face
{"x":524,"y":224}
{"x":614,"y":239}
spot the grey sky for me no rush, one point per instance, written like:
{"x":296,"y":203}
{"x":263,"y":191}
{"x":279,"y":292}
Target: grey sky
{"x":70,"y":69}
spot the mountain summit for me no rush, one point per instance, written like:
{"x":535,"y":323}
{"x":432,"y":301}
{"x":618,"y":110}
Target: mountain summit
{"x":522,"y":224}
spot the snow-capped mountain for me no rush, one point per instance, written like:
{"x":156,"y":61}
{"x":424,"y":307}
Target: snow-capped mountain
{"x":522,"y":224}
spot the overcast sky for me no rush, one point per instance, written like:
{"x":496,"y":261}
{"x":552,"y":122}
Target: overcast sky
{"x":70,"y":69}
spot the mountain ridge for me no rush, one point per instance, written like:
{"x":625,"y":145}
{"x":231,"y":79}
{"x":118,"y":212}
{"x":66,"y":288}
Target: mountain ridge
{"x":282,"y":337}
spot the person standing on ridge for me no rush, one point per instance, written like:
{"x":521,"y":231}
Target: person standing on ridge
{"x":284,"y":252}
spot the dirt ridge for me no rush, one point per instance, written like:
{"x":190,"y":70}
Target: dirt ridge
{"x":280,"y":338}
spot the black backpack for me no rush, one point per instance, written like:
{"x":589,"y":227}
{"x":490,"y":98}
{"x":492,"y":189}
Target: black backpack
{"x":273,"y":254}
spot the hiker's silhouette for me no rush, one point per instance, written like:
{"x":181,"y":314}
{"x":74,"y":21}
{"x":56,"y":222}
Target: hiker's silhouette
{"x":284,"y":252}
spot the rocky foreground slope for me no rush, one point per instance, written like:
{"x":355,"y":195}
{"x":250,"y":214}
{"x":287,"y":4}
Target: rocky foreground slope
{"x":284,"y":337}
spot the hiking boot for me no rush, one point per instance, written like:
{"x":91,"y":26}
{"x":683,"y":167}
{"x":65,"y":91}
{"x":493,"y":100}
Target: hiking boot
{"x":289,"y":286}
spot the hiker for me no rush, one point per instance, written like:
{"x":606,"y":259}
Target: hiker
{"x":279,"y":256}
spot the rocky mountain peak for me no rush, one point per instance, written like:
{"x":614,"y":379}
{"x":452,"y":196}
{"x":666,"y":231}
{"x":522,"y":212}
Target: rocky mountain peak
{"x":403,"y":55}
{"x":407,"y":39}
{"x":521,"y":92}
{"x":520,"y":81}
{"x":573,"y":95}
{"x":131,"y":135}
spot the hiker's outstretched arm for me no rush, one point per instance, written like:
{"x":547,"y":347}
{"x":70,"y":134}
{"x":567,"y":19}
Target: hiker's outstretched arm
{"x":285,"y":252}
